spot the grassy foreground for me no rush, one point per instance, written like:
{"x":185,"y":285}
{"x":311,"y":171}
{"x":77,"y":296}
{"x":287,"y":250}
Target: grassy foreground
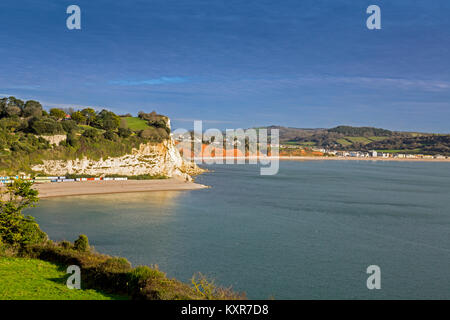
{"x":32,"y":279}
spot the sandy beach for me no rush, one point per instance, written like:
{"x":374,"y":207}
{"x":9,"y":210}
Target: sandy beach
{"x":63,"y":189}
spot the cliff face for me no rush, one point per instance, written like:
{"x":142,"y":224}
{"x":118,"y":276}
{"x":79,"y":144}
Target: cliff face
{"x":151,"y":158}
{"x":55,"y":139}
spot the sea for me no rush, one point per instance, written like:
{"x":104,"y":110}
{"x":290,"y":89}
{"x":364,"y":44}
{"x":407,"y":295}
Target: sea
{"x":315,"y":230}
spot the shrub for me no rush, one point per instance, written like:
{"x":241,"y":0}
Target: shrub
{"x":154,"y":134}
{"x":116,"y":264}
{"x":46,"y":126}
{"x":91,"y":134}
{"x":124,"y":132}
{"x":69,"y":125}
{"x":82,"y":243}
{"x":66,"y":244}
{"x":72,"y":140}
{"x":110,"y":135}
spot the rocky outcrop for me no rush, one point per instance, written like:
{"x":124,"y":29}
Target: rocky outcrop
{"x":151,"y":158}
{"x":55,"y":139}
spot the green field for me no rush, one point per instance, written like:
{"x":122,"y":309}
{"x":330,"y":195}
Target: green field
{"x":305,"y":144}
{"x":378,"y":138}
{"x":136,"y":124}
{"x":31,"y":279}
{"x":85,"y":127}
{"x":364,"y":140}
{"x":343,"y":142}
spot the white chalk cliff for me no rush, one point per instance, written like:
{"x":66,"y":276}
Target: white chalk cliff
{"x":151,"y":158}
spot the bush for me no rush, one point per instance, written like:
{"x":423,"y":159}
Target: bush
{"x":110,"y":135}
{"x":91,"y":134}
{"x":66,"y":244}
{"x":72,"y":140}
{"x":46,"y":126}
{"x":82,"y":243}
{"x":154,"y":134}
{"x":124,"y":132}
{"x":116,"y":264}
{"x":69,"y":126}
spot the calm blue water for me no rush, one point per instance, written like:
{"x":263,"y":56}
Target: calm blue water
{"x":307,"y":233}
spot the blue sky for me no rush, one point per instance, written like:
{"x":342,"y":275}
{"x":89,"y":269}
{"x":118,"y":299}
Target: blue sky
{"x":234,"y":63}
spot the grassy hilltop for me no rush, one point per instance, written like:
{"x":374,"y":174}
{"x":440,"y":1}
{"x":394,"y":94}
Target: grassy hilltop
{"x":25,"y":126}
{"x":365,"y":139}
{"x":33,"y":279}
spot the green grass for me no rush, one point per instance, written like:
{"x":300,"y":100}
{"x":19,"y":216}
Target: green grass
{"x":31,"y":279}
{"x":362,"y":140}
{"x":343,"y":142}
{"x":378,"y":138}
{"x":136,"y":124}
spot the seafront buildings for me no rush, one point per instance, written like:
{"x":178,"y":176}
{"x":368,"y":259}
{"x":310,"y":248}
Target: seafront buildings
{"x":9,"y":179}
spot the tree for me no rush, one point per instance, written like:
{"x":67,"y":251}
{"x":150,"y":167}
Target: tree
{"x":12,"y":110}
{"x":3,"y":103}
{"x":69,"y":125}
{"x":90,"y":115}
{"x":107,"y":120}
{"x":57,"y":113}
{"x":78,"y":117}
{"x":32,"y":109}
{"x":14,"y":102}
{"x":15,"y":228}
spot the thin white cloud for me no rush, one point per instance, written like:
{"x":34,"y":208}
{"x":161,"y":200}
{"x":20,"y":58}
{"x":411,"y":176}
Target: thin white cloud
{"x":156,"y":81}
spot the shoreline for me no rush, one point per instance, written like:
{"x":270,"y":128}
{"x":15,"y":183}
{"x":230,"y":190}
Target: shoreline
{"x":66,"y":189}
{"x":319,"y":158}
{"x":363,"y":159}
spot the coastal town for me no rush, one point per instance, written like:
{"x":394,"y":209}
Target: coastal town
{"x":377,"y":154}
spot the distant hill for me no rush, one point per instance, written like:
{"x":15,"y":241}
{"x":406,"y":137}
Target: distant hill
{"x":365,"y":139}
